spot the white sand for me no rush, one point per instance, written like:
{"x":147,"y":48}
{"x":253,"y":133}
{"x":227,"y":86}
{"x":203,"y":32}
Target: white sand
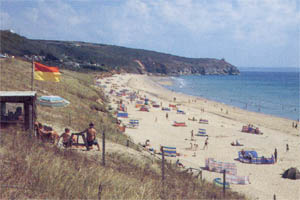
{"x":222,"y":130}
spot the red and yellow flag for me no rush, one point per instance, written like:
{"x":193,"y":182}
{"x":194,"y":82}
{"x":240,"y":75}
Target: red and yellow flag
{"x":46,"y":73}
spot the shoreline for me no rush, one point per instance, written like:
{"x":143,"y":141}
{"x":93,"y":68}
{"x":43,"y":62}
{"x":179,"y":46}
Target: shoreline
{"x":167,"y":81}
{"x":222,"y":130}
{"x":288,"y":122}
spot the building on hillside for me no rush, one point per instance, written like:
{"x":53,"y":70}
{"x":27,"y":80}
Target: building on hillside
{"x":18,"y":107}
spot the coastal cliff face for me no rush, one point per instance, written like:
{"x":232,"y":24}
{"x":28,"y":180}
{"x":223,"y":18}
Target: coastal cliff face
{"x":81,"y":56}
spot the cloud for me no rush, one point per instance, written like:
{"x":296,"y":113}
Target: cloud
{"x":175,"y":26}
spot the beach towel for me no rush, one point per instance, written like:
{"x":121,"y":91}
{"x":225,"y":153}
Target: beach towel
{"x":143,"y":108}
{"x":179,"y":124}
{"x":169,"y":151}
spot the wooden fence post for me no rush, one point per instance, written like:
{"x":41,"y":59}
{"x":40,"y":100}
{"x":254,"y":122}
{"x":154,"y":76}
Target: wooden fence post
{"x":224,"y":181}
{"x":99,"y":191}
{"x":103,"y":148}
{"x":70,"y":121}
{"x":162,"y":165}
{"x":200,"y":175}
{"x":163,"y":172}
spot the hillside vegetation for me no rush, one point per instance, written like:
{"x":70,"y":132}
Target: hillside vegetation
{"x":82,"y":56}
{"x":32,"y":169}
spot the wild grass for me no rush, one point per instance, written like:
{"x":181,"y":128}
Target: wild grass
{"x":32,"y":169}
{"x":75,"y":87}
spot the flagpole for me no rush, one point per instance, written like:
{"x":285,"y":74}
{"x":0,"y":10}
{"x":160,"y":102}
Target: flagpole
{"x":32,"y":73}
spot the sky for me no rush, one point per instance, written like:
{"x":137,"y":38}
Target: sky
{"x":247,"y":33}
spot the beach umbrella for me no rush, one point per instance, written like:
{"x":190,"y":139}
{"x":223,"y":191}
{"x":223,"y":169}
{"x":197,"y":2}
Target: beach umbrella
{"x":52,"y":101}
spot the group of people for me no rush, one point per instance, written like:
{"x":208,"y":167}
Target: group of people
{"x":67,"y":138}
{"x":295,"y":125}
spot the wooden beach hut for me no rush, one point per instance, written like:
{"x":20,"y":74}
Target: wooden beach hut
{"x":27,"y":99}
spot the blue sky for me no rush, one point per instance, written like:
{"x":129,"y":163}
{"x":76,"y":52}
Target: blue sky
{"x":247,"y":33}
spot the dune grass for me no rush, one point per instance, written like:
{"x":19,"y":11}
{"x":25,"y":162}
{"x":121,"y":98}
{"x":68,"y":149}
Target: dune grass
{"x":32,"y":169}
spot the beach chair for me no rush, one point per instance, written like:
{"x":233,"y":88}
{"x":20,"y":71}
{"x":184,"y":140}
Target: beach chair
{"x":201,"y":132}
{"x":180,"y":112}
{"x":145,"y":109}
{"x":123,"y":115}
{"x":203,"y":121}
{"x":133,"y":123}
{"x":165,"y":109}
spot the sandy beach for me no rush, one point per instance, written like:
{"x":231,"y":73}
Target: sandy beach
{"x":224,"y":127}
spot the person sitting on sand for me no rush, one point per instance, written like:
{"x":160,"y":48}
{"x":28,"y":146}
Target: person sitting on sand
{"x":46,"y":133}
{"x":196,"y":147}
{"x":66,"y":138}
{"x":179,"y":164}
{"x":243,"y":153}
{"x":91,"y":137}
{"x":146,"y":143}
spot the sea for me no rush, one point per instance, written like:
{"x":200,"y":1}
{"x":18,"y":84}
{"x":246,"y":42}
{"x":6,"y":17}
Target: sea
{"x":265,"y":90}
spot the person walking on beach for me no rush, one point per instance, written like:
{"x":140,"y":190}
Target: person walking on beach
{"x":287,"y":147}
{"x":167,"y":116}
{"x":205,"y":144}
{"x":275,"y":155}
{"x":192,"y":135}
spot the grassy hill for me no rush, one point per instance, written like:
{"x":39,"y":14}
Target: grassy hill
{"x":32,"y":169}
{"x":90,"y":56}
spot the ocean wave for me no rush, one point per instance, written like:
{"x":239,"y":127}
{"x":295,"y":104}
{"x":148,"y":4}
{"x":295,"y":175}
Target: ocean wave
{"x":180,"y":82}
